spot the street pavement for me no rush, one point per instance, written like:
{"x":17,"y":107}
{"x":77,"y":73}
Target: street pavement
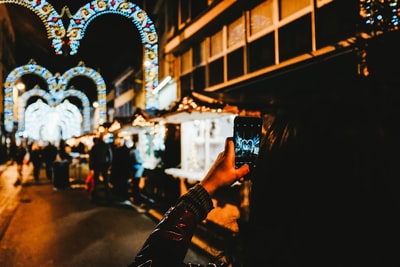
{"x":45,"y":226}
{"x":8,"y":194}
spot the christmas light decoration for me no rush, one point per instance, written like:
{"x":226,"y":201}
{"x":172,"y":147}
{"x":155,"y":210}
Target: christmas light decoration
{"x":82,"y":18}
{"x":57,"y":92}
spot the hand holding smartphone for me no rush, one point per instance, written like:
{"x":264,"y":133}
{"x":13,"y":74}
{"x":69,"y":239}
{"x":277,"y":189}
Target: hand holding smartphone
{"x":247,"y":138}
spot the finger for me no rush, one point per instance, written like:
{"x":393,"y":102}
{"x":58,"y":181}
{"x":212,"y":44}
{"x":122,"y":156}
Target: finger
{"x":228,"y":145}
{"x":242,"y":171}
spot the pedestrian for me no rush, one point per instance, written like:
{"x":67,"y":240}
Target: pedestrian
{"x":324,"y":192}
{"x":20,"y":153}
{"x":36,"y":159}
{"x":64,"y":151}
{"x":100,"y":158}
{"x":120,"y":169}
{"x":49,"y":154}
{"x":168,"y":243}
{"x":137,"y":171}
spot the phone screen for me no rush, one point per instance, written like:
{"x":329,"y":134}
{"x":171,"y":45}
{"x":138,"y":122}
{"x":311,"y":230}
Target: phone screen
{"x":247,"y":138}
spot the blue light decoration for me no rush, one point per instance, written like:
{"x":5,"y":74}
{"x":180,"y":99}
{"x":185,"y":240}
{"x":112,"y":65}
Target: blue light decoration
{"x":80,"y":21}
{"x":48,"y":15}
{"x":379,"y":16}
{"x":57,"y":92}
{"x":82,"y":70}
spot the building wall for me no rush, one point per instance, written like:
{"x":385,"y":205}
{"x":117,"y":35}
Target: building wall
{"x":7,"y":39}
{"x":7,"y":63}
{"x":230,"y":46}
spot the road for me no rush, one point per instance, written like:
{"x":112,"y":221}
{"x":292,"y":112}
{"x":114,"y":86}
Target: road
{"x":62,"y":228}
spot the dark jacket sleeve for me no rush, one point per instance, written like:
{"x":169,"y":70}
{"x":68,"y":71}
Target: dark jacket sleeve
{"x":168,"y":243}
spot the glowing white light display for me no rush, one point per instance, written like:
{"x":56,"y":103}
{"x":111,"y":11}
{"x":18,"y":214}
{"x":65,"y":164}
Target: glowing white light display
{"x":43,"y":122}
{"x":81,"y":19}
{"x":55,"y":95}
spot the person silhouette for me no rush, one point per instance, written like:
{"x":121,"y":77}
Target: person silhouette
{"x":50,"y":152}
{"x":100,"y":158}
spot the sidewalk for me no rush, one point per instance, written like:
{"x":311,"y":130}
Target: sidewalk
{"x":8,"y":194}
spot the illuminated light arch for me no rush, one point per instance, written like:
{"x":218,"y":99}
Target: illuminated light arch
{"x":50,"y":101}
{"x":23,"y":99}
{"x":66,"y":117}
{"x":86,"y":107}
{"x":11,"y":80}
{"x":57,"y":91}
{"x":98,"y":80}
{"x":71,"y":115}
{"x":35,"y":114}
{"x":81,"y":19}
{"x":48,"y":15}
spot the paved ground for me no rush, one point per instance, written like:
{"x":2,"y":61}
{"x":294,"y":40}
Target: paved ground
{"x":8,"y":194}
{"x":54,"y":227}
{"x":10,"y":198}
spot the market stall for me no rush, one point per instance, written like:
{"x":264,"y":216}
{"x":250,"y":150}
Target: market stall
{"x":150,"y":138}
{"x":204,"y":125}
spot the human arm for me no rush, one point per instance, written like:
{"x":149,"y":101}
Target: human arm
{"x":222,"y":172}
{"x":168,"y":243}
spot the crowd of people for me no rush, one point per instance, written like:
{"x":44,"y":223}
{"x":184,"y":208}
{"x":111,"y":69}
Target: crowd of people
{"x":40,"y":155}
{"x":116,"y":168}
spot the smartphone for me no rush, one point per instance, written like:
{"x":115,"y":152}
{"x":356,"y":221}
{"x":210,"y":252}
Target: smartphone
{"x":247,"y":138}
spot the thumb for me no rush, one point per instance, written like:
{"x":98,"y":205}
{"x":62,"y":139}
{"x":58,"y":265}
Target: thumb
{"x":242,"y":171}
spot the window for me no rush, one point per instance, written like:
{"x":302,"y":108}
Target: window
{"x":197,"y":7}
{"x":295,"y":38}
{"x":186,"y":61}
{"x":216,"y":44}
{"x":330,"y":29}
{"x":186,"y":84}
{"x":261,"y":53}
{"x":190,"y":9}
{"x":216,"y":72}
{"x":184,"y":12}
{"x":199,"y":78}
{"x":261,"y":17}
{"x":290,"y":7}
{"x":236,"y":33}
{"x":235,"y":64}
{"x":198,"y":54}
{"x":124,"y":110}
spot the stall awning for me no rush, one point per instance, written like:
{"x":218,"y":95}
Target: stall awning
{"x":196,"y":107}
{"x":129,"y":125}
